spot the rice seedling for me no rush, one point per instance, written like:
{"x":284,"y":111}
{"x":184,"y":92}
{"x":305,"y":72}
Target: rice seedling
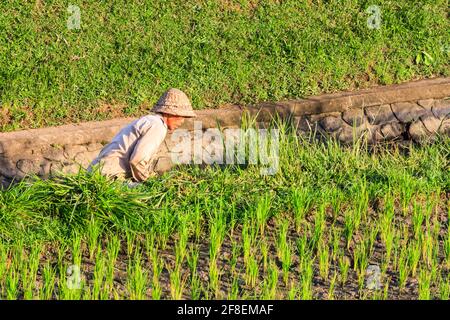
{"x":181,"y":244}
{"x":444,"y":289}
{"x":99,"y":275}
{"x":370,"y":236}
{"x":12,"y":283}
{"x":386,"y":226}
{"x":386,"y":289}
{"x":165,"y":223}
{"x":192,"y":259}
{"x":362,"y":201}
{"x":234,"y":292}
{"x":293,"y":291}
{"x":406,"y":192}
{"x":418,"y":218}
{"x":413,"y":257}
{"x":301,"y":202}
{"x":93,"y":234}
{"x":3,"y":266}
{"x":177,"y":283}
{"x":76,"y":249}
{"x":112,"y":249}
{"x":157,"y":267}
{"x":284,"y":250}
{"x":247,"y":242}
{"x":403,"y":268}
{"x":306,"y":282}
{"x":214,"y":276}
{"x":270,"y":282}
{"x":344,"y":266}
{"x":264,"y":246}
{"x":48,"y":282}
{"x":388,"y":236}
{"x":424,"y":284}
{"x":349,"y":226}
{"x":435,"y":273}
{"x":324,"y":259}
{"x":446,"y":249}
{"x":319,"y":225}
{"x":30,"y":270}
{"x":336,"y":199}
{"x":252,"y":272}
{"x":335,"y":235}
{"x":217,"y":233}
{"x":427,"y":248}
{"x":330,"y":295}
{"x":130,"y":241}
{"x":196,"y":287}
{"x":262,"y":213}
{"x":360,"y":262}
{"x":197,"y":221}
{"x":70,"y":284}
{"x":303,"y":250}
{"x":136,"y":277}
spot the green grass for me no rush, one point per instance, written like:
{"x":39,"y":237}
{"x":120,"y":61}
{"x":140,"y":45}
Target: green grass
{"x":219,"y":233}
{"x":127,"y":53}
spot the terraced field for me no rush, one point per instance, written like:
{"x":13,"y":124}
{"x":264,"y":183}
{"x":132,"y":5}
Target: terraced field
{"x":334,"y":222}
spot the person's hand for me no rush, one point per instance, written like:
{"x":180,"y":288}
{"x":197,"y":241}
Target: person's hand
{"x":132,"y":184}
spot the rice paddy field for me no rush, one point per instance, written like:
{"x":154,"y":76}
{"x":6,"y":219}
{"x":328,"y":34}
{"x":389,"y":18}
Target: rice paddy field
{"x":327,"y":222}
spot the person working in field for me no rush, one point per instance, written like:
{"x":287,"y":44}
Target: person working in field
{"x":131,"y":151}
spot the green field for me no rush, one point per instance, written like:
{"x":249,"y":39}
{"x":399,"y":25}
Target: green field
{"x":126,"y":53}
{"x":311,"y":231}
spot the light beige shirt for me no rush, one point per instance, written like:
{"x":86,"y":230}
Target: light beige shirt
{"x":132,"y":149}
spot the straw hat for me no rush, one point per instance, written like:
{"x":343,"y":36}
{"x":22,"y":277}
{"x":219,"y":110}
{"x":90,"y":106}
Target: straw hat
{"x":174,"y":102}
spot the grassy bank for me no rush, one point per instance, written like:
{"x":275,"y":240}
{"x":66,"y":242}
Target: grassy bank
{"x":310,"y":231}
{"x":126,"y":54}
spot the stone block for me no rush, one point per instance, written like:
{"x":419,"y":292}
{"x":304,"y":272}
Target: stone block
{"x":313,"y":118}
{"x":431,"y":123}
{"x":426,"y":103}
{"x":304,"y":124}
{"x":348,"y":133}
{"x":407,"y":111}
{"x":392,"y":130}
{"x":377,"y":135}
{"x":55,"y":168}
{"x":85,"y":158}
{"x":163,"y":164}
{"x":7,"y":167}
{"x":71,"y":150}
{"x":354,"y":117}
{"x":45,"y":169}
{"x":71,"y":168}
{"x":28,"y":166}
{"x":94,"y":146}
{"x":445,"y":127}
{"x":417,"y":131}
{"x":380,"y":114}
{"x":330,"y":124}
{"x":441,"y":108}
{"x":52,"y":153}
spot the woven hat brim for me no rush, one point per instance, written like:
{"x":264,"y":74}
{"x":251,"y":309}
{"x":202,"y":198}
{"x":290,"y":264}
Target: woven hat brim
{"x":180,"y":113}
{"x":183,"y":114}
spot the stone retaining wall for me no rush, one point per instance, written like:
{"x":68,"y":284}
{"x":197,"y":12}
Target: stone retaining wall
{"x":415,"y":110}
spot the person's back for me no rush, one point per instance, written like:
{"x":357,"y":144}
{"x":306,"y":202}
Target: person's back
{"x":132,"y":149}
{"x":120,"y":153}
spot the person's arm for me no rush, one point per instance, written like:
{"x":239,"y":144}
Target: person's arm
{"x":146,"y":147}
